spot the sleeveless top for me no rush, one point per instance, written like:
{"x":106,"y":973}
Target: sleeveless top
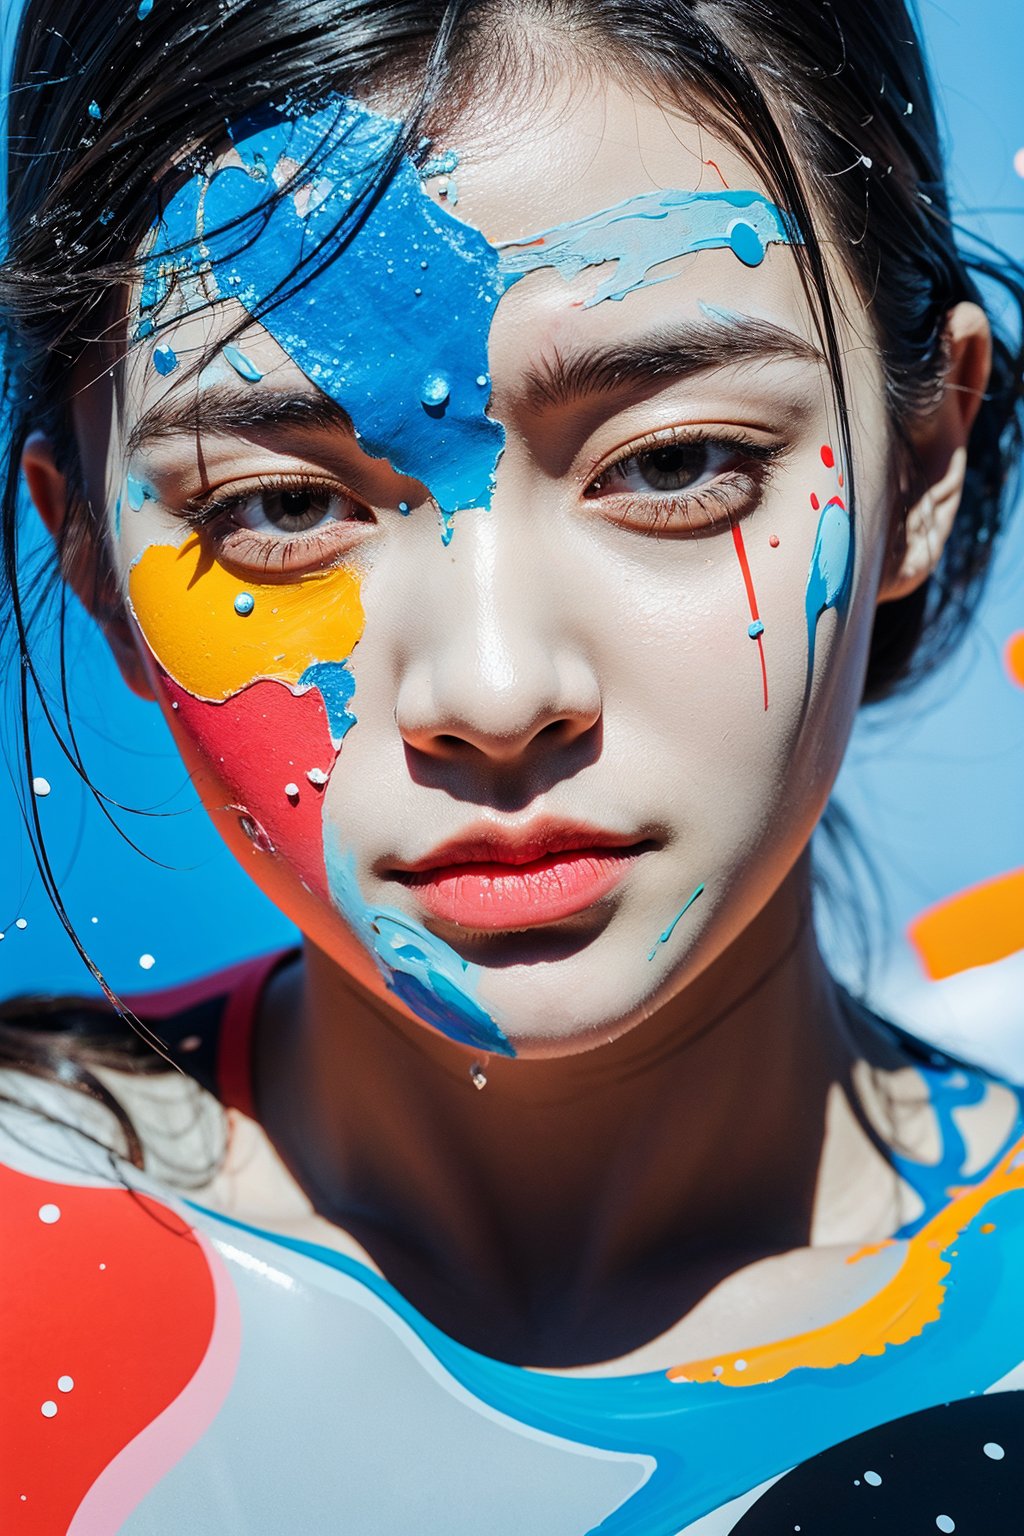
{"x":166,"y":1369}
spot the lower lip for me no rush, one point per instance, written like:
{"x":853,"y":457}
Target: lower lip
{"x":496,"y":896}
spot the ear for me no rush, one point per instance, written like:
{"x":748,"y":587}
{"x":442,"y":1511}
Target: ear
{"x":939,"y":443}
{"x":48,"y":488}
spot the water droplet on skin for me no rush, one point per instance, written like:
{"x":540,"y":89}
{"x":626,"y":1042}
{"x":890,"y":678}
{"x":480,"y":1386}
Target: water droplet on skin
{"x":243,"y":366}
{"x":165,"y":359}
{"x":41,"y":787}
{"x":477,"y":1076}
{"x":244,"y":604}
{"x":95,"y":111}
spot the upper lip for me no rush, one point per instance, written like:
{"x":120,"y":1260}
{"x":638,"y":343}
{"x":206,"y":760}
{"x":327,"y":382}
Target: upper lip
{"x":486,"y":843}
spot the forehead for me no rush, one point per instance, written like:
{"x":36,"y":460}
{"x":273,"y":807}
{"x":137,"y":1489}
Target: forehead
{"x":427,"y":299}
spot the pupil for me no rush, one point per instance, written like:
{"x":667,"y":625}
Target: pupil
{"x":294,"y":503}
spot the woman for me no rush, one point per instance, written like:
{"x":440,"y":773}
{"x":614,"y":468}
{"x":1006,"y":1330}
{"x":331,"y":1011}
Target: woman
{"x":509,"y":442}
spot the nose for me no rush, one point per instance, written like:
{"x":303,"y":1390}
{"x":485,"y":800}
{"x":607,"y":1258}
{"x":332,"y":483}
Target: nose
{"x":495,"y":672}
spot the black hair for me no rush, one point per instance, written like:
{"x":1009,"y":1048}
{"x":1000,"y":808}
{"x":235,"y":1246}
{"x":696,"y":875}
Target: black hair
{"x":829,"y":99}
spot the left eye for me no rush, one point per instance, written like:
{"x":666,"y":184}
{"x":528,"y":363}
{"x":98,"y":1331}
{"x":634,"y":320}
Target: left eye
{"x":297,"y":510}
{"x":665,"y":467}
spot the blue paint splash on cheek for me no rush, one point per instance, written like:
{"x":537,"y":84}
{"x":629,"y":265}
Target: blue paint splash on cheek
{"x":828,"y":580}
{"x":403,"y":364}
{"x":434,"y":982}
{"x":139,"y":492}
{"x":336,"y":686}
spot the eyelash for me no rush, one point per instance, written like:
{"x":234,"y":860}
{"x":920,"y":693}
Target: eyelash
{"x":269,"y":554}
{"x":733,"y":493}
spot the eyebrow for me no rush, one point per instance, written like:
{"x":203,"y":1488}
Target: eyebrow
{"x":674,"y":353}
{"x":231,"y":410}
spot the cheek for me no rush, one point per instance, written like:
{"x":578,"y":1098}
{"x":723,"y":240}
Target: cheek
{"x":259,"y":692}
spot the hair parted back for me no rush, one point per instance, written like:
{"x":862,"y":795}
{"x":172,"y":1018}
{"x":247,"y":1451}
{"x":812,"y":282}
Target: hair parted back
{"x":828,"y":98}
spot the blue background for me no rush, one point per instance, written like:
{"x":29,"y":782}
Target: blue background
{"x":934,"y":784}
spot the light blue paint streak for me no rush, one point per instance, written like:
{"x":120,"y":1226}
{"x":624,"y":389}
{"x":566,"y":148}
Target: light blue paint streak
{"x":364,"y":342}
{"x":421,"y":969}
{"x":139,"y":492}
{"x":440,"y":165}
{"x":95,"y":111}
{"x":712,"y":1442}
{"x":242,"y":364}
{"x":828,"y":579}
{"x":145,"y":6}
{"x":670,"y":930}
{"x":644,"y":232}
{"x":336,"y":686}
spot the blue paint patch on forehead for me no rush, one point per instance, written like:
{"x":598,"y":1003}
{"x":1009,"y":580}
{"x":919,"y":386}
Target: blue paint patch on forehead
{"x":388,"y":311}
{"x":391,"y":316}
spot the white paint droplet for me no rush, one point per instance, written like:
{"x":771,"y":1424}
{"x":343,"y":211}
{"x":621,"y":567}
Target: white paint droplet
{"x":292,"y":791}
{"x":21,"y":922}
{"x":867,"y":162}
{"x":873,"y":1479}
{"x":147,"y":962}
{"x":945,"y":1523}
{"x":65,"y":1383}
{"x":41,"y":787}
{"x":48,"y":1409}
{"x":103,"y":1266}
{"x":191,"y":1043}
{"x":94,"y":919}
{"x":317,"y":777}
{"x":993,"y":1451}
{"x":1018,"y":161}
{"x":49,"y":1214}
{"x":739,"y":1365}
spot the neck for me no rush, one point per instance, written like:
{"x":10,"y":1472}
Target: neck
{"x":690,"y":1146}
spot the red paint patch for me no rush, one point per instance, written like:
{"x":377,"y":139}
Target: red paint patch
{"x":815,"y":503}
{"x":748,"y":582}
{"x":773,"y":540}
{"x":130,"y":1336}
{"x":257,"y":742}
{"x":828,"y":458}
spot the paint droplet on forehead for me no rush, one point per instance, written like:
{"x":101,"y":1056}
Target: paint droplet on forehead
{"x":242,"y":364}
{"x":165,"y":359}
{"x":746,"y":243}
{"x":828,"y":458}
{"x":773,"y":540}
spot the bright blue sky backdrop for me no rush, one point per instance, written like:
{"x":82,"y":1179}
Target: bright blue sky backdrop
{"x":935,"y":786}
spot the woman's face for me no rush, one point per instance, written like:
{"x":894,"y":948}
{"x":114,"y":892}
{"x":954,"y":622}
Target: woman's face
{"x":502,"y":595}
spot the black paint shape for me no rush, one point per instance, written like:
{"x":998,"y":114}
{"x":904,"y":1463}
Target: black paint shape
{"x":931,"y":1463}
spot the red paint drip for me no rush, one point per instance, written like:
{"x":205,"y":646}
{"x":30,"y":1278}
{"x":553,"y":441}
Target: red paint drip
{"x":815,"y":503}
{"x":715,"y":168}
{"x":748,"y":582}
{"x":828,"y":458}
{"x":774,"y":541}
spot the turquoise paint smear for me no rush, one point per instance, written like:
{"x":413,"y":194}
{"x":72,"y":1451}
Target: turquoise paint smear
{"x":243,"y":365}
{"x":712,"y":1442}
{"x":139,"y":492}
{"x":421,"y":969}
{"x":358,"y":329}
{"x":828,"y":579}
{"x":663,"y":938}
{"x":336,"y":686}
{"x":644,"y":232}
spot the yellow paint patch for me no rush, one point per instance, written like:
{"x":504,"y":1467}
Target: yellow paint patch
{"x":184,"y":601}
{"x":901,"y":1310}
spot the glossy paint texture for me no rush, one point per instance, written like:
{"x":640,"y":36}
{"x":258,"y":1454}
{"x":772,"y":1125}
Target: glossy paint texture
{"x":831,"y":569}
{"x":419,"y":968}
{"x":185,"y":599}
{"x":644,"y":232}
{"x":665,"y":1447}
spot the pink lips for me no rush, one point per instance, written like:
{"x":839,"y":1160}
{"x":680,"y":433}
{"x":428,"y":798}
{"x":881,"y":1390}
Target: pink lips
{"x":497,"y":878}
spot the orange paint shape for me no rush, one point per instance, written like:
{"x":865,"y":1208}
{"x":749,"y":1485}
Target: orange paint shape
{"x":1014,"y":657}
{"x":975,"y":927}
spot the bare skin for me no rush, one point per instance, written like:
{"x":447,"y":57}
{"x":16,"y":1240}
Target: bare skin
{"x":686,"y":1152}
